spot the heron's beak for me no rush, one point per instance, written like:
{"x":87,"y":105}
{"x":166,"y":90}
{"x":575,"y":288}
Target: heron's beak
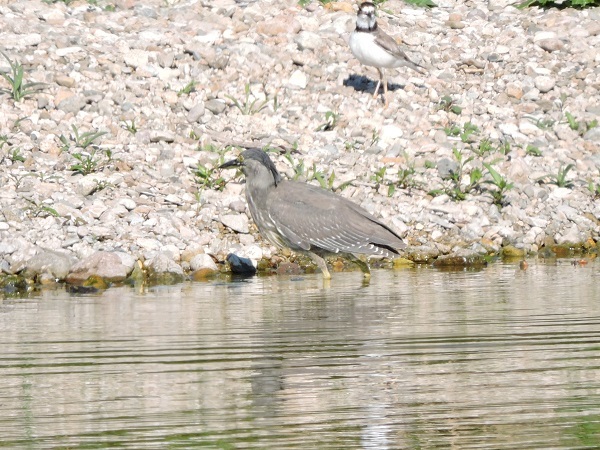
{"x":232,"y":163}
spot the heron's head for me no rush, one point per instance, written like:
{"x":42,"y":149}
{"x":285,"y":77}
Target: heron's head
{"x":256,"y":165}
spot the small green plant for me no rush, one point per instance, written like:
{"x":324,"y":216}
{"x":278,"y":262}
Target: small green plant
{"x":502,"y":185}
{"x":250,"y":106}
{"x":90,"y":158}
{"x":188,"y":88}
{"x":298,"y":167}
{"x":533,"y":150}
{"x":15,"y":155}
{"x":504,"y":148}
{"x":594,"y":188}
{"x":91,"y":161}
{"x":430,"y":164}
{"x":483,"y":148}
{"x":564,"y":4}
{"x":35,"y":209}
{"x":452,"y":130}
{"x":580,"y":127}
{"x":130,"y":126}
{"x":66,"y":2}
{"x":560,"y":179}
{"x":209,"y":178}
{"x":542,"y":123}
{"x":469,"y":129}
{"x":82,"y":140}
{"x":374,"y":137}
{"x":331,"y":120}
{"x":447,"y":104}
{"x":573,"y":124}
{"x":18,"y":88}
{"x":455,"y":189}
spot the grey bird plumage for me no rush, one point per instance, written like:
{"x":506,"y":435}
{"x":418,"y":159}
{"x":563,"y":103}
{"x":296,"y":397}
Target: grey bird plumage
{"x":309,"y":219}
{"x":373,"y":47}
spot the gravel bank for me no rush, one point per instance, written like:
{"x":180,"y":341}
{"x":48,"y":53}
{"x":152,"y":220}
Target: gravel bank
{"x":527,"y":80}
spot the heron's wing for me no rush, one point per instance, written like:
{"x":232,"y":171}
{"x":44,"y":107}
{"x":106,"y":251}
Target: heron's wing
{"x":309,"y":217}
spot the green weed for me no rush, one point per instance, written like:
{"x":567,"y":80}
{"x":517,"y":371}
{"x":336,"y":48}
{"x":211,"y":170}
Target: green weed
{"x":563,"y":4}
{"x":455,"y":189}
{"x":251,"y":106}
{"x":39,"y":209}
{"x":447,"y":104}
{"x":18,"y":88}
{"x":130,"y":126}
{"x":90,"y":158}
{"x":594,"y":188}
{"x":533,"y":150}
{"x":501,"y":184}
{"x":331,"y":120}
{"x":560,"y":179}
{"x":82,"y":140}
{"x":188,"y":88}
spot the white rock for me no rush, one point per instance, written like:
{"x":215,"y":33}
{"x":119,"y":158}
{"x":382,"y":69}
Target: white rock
{"x":544,"y":83}
{"x":298,"y":80}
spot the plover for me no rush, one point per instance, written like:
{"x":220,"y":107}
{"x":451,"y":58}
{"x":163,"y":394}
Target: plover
{"x":373,"y":47}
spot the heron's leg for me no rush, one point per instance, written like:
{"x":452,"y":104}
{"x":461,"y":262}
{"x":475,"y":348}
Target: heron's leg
{"x":322,"y":265}
{"x":364,"y":267}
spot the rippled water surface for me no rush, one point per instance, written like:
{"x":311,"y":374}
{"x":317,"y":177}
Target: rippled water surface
{"x":501,"y":358}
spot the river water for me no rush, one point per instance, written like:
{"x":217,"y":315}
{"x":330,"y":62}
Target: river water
{"x":500,"y":358}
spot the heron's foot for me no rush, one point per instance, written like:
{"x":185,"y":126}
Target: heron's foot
{"x":320,"y":262}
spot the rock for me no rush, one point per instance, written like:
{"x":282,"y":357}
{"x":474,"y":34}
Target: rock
{"x":282,"y":24}
{"x":241,"y":266}
{"x":544,"y":83}
{"x":72,"y":104}
{"x":162,"y":269}
{"x":468,"y":260}
{"x":195,"y":114}
{"x":510,"y":251}
{"x":592,"y":134}
{"x":551,"y":45}
{"x":298,"y":80}
{"x":215,"y":106}
{"x":203,"y":261}
{"x":136,"y":58}
{"x":49,"y":262}
{"x":307,"y":40}
{"x":109,"y":266}
{"x":446,"y":167}
{"x":237,"y":222}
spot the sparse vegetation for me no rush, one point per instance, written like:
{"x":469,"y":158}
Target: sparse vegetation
{"x":251,"y":104}
{"x":594,"y":187}
{"x":88,"y":156}
{"x":560,"y":179}
{"x":563,"y":4}
{"x":455,"y":188}
{"x":130,"y":126}
{"x":188,"y":88}
{"x":533,"y":150}
{"x":331,"y":120}
{"x":499,"y":182}
{"x":19,"y":89}
{"x":447,"y":104}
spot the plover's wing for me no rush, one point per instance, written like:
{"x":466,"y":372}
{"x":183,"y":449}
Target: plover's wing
{"x":389,"y":44}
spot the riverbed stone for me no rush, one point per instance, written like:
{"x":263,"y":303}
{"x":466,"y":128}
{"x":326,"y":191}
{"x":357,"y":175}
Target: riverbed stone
{"x":162,"y":269}
{"x":110,"y":266}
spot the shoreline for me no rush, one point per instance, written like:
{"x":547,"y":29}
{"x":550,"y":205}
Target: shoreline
{"x":108,"y":169}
